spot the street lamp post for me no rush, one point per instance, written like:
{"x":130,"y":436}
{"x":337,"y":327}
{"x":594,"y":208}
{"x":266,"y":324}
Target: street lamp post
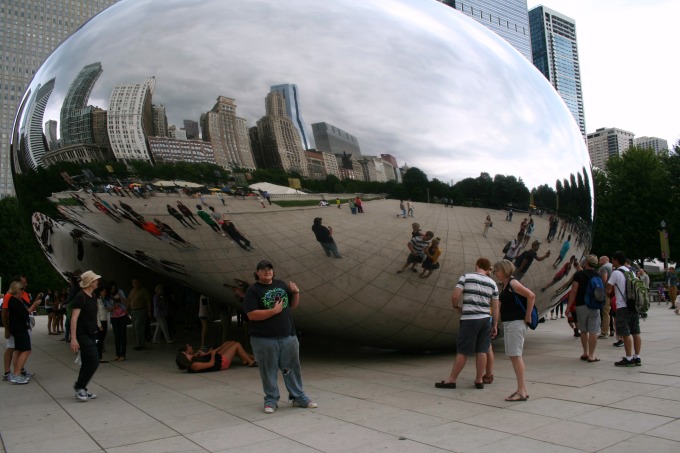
{"x":665,"y":248}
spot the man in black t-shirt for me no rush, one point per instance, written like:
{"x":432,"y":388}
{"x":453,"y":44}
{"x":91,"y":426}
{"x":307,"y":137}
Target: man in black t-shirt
{"x":84,"y":333}
{"x":325,"y":238}
{"x":268,"y":304}
{"x":588,"y":318}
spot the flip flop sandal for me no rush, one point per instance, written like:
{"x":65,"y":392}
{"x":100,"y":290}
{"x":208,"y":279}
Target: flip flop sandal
{"x":487,"y":379}
{"x":516,"y":397}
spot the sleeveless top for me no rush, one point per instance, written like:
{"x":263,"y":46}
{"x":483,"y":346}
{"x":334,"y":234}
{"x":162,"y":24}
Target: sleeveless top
{"x":216,"y":367}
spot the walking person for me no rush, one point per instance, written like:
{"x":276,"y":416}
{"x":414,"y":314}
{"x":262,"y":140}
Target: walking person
{"x":627,"y":319}
{"x":84,"y":333}
{"x":140,"y":307}
{"x":104,"y":308}
{"x":17,"y":324}
{"x":268,"y":305}
{"x":516,"y":315}
{"x":487,"y":225}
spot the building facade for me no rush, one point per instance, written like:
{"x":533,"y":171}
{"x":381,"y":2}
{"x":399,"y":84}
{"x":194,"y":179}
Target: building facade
{"x":166,"y":149}
{"x":654,"y":143}
{"x":34,"y":148}
{"x":555,"y":54}
{"x":160,"y":121}
{"x":291,"y":96}
{"x":32,"y":29}
{"x":228,"y":135}
{"x":507,"y":18}
{"x":607,"y":142}
{"x":279,"y":142}
{"x":76,"y":116}
{"x":130,"y":120}
{"x":331,"y":139}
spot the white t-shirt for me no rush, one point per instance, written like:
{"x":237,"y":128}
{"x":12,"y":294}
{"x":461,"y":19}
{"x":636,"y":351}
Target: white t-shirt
{"x":618,"y":281}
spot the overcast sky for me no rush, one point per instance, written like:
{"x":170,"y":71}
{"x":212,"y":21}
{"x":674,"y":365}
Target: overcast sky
{"x":629,"y":52}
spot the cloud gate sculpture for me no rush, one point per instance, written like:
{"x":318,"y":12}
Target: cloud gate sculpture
{"x":416,"y":80}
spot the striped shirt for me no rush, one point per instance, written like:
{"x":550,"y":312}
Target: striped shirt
{"x":419,"y":245}
{"x":478,"y":292}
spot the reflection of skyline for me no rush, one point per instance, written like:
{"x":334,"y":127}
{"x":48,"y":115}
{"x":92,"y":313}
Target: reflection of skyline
{"x":32,"y":142}
{"x":76,"y":115}
{"x":453,"y":100}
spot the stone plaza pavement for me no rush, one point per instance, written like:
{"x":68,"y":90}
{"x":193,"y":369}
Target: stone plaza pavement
{"x":369,"y":400}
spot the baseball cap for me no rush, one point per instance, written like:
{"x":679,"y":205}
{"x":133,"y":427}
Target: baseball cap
{"x":264,"y":263}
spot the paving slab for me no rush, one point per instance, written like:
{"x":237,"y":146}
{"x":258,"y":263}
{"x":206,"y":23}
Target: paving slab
{"x":369,"y":400}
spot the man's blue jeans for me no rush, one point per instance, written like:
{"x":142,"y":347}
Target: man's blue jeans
{"x":272,"y":355}
{"x":330,"y":248}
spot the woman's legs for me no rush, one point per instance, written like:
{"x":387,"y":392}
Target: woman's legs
{"x":518,"y":366}
{"x":204,"y":331}
{"x":488,"y":377}
{"x":231,"y":349}
{"x":51,"y":325}
{"x":161,"y":327}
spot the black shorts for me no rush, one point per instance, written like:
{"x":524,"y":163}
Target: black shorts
{"x":22,"y":342}
{"x":474,"y":336}
{"x":429,"y":265}
{"x":414,"y":259}
{"x":627,"y":322}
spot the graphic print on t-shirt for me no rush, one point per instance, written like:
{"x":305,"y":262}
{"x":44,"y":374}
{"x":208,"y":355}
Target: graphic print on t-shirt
{"x":272,"y":296}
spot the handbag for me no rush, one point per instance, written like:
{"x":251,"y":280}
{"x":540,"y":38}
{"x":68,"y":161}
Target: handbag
{"x":534,"y":312}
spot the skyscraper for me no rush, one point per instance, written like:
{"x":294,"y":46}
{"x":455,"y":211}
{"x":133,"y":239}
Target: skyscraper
{"x":334,"y":140}
{"x":76,"y":115}
{"x":35,"y":147}
{"x":228,"y":135}
{"x":32,"y":29}
{"x":507,"y":18}
{"x":279,"y":142}
{"x":607,"y":142}
{"x":130,"y":120}
{"x":291,"y":96}
{"x":555,"y":54}
{"x":656,"y":144}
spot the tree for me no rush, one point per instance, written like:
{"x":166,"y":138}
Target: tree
{"x":631,"y":200}
{"x":415,"y":184}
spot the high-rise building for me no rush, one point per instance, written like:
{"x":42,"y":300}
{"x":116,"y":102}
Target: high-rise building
{"x":34,"y":147}
{"x":291,"y":96}
{"x":334,"y":140}
{"x":160,"y":121}
{"x":607,"y":142}
{"x":555,"y":54}
{"x":390,"y":160}
{"x":51,"y":134}
{"x":192,"y":129}
{"x":228,"y":135}
{"x":76,"y":115}
{"x":654,"y":143}
{"x":165,"y":149}
{"x":31,"y":30}
{"x":279,"y":142}
{"x":507,"y":18}
{"x":130,"y":120}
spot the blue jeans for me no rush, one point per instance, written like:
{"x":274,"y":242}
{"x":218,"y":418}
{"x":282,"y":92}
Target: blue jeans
{"x":330,"y":247}
{"x":89,"y":358}
{"x":272,"y":355}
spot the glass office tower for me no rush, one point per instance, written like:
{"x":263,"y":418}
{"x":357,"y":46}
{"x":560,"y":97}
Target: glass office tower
{"x":31,"y":30}
{"x":507,"y":18}
{"x":555,"y":54}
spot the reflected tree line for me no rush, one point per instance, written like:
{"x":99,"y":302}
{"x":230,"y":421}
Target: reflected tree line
{"x":633,"y":194}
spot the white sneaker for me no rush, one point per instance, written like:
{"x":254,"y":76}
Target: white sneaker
{"x":18,"y":380}
{"x":269,"y":409}
{"x":309,"y":405}
{"x":82,"y":395}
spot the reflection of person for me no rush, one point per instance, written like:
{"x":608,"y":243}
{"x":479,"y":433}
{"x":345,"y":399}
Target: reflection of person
{"x":359,"y":205}
{"x":515,"y":319}
{"x":324,"y":237}
{"x":268,"y":304}
{"x":431,"y":261}
{"x":671,"y":279}
{"x":409,"y":206}
{"x":218,"y":359}
{"x":526,"y":258}
{"x":561,"y":273}
{"x":476,"y":298}
{"x":160,"y":312}
{"x":487,"y":224}
{"x":416,"y":246}
{"x":234,"y":233}
{"x":563,"y":252}
{"x":186,"y":212}
{"x":84,"y":333}
{"x":402,"y":209}
{"x":175,"y":213}
{"x":208,"y":219}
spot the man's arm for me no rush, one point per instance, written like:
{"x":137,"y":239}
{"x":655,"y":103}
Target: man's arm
{"x":455,"y":297}
{"x":547,"y":254}
{"x":74,"y":322}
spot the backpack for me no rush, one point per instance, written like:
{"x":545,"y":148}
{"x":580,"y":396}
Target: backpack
{"x":507,"y":247}
{"x":522,"y":302}
{"x":595,"y":297}
{"x":637,"y":294}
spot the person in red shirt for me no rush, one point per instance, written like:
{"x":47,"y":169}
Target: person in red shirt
{"x":9,"y":349}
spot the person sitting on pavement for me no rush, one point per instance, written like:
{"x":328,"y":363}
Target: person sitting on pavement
{"x":217,"y":359}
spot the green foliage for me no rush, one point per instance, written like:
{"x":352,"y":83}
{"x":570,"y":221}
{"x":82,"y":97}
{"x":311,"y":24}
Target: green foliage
{"x":632,"y":196}
{"x":415,"y":185}
{"x":21,"y":251}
